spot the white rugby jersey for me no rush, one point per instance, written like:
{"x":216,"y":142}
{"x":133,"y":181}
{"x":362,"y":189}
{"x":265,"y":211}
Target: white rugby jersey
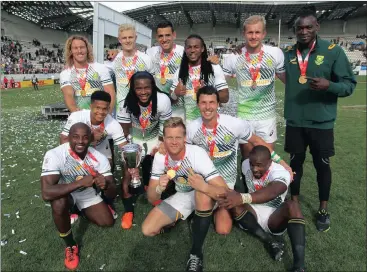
{"x":97,"y":77}
{"x":230,"y":132}
{"x":112,"y":128}
{"x":276,"y":173}
{"x":143,"y":63}
{"x":218,"y":81}
{"x":155,"y":124}
{"x":258,"y":103}
{"x":58,"y":161}
{"x":195,"y":158}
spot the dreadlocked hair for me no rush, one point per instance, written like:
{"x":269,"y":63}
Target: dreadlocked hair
{"x":132,"y":101}
{"x":206,"y":66}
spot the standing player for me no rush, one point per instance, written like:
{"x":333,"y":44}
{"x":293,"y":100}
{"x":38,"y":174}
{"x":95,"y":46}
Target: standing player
{"x":197,"y":183}
{"x":68,"y":173}
{"x":263,"y":211}
{"x":142,"y":114}
{"x":101,"y":123}
{"x":219,"y":135}
{"x":317,"y":74}
{"x":127,"y":62}
{"x":166,"y":58}
{"x":82,"y":76}
{"x":196,"y":71}
{"x":255,"y":69}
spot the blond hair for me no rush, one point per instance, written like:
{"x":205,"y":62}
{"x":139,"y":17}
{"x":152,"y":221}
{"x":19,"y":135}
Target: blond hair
{"x":69,"y":61}
{"x":125,"y":27}
{"x":174,"y":122}
{"x":254,"y":19}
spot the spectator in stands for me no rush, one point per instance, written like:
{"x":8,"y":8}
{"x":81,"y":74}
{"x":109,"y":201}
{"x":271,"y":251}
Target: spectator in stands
{"x":35,"y":83}
{"x":310,"y":103}
{"x":83,"y":76}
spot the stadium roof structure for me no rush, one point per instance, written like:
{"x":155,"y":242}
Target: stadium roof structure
{"x":189,"y":13}
{"x":78,"y":15}
{"x":60,"y":15}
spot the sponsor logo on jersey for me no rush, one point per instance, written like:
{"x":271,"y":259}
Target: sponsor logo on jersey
{"x":95,"y":76}
{"x":331,"y":46}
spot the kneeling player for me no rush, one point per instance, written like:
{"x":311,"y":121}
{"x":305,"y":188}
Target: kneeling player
{"x":197,"y":184}
{"x":70,"y":171}
{"x":263,"y":211}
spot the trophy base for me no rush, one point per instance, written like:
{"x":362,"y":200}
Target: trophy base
{"x":133,"y":190}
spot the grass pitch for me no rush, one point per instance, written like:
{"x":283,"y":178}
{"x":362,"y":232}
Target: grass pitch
{"x":26,"y":136}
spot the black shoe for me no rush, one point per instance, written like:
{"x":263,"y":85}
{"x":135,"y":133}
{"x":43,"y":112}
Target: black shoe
{"x":323,"y":220}
{"x":194,"y":264}
{"x":299,"y":269}
{"x":276,"y":250}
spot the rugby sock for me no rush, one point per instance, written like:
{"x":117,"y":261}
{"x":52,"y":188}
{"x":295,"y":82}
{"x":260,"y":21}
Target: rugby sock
{"x":248,"y":221}
{"x":296,"y":233}
{"x":200,"y":227}
{"x":68,"y":238}
{"x":323,"y":170}
{"x":297,"y":160}
{"x":128,"y":204}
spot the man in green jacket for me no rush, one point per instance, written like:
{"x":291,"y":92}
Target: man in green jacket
{"x":317,"y":73}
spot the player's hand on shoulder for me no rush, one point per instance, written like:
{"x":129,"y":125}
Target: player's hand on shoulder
{"x":111,"y":54}
{"x":229,"y":199}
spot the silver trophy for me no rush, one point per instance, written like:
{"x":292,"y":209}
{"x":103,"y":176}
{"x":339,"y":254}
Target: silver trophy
{"x":132,"y":155}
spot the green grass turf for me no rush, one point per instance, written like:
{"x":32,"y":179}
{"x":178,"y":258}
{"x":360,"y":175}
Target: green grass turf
{"x":26,"y":136}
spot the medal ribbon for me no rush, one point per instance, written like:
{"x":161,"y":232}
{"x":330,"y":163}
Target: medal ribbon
{"x":263,"y":178}
{"x":86,"y":167}
{"x":177,"y":166}
{"x":211,"y":143}
{"x":165,"y":61}
{"x":145,"y":120}
{"x":194,"y":80}
{"x":304,"y":63}
{"x":82,"y":80}
{"x":254,"y":72}
{"x":129,"y":72}
{"x":100,"y":127}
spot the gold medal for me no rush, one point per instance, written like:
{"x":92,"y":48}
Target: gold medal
{"x":302,"y":79}
{"x":171,"y":173}
{"x":254,"y":85}
{"x":163,"y":81}
{"x":83,"y":92}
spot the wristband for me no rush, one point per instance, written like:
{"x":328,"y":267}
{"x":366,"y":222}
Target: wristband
{"x":275,"y":157}
{"x":158,"y":190}
{"x":174,"y":96}
{"x":246,"y":198}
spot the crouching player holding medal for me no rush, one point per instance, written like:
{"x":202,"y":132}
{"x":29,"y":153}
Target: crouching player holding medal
{"x":197,"y":184}
{"x":220,"y":135}
{"x":143,"y":112}
{"x":69,"y":172}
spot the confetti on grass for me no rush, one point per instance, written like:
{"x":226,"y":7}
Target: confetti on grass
{"x":23,"y":252}
{"x":102,"y":266}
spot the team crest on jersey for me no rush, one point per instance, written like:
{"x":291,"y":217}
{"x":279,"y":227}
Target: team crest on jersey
{"x":95,"y":76}
{"x":331,"y":46}
{"x":227,"y":138}
{"x":141,"y":66}
{"x":269,"y":62}
{"x":78,"y":168}
{"x":319,"y":60}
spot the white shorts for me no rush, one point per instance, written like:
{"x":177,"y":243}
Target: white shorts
{"x":265,"y":129}
{"x":86,"y":198}
{"x":182,"y":202}
{"x":263,"y":213}
{"x":105,"y":149}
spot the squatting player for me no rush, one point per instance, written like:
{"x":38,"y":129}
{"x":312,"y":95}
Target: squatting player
{"x":69,"y":172}
{"x":197,"y":184}
{"x":263,"y":211}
